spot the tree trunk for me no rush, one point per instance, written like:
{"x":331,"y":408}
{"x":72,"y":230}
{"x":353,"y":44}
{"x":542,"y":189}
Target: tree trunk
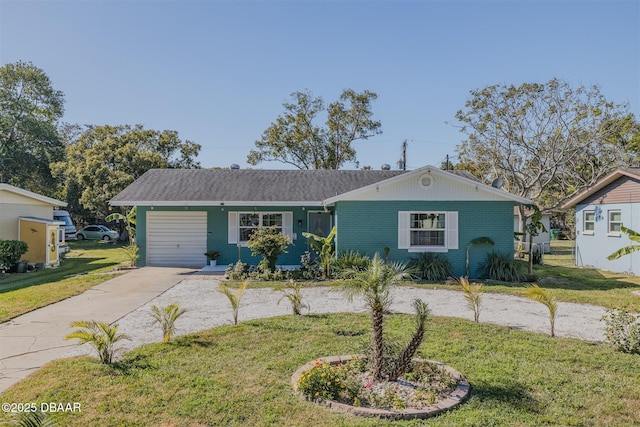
{"x":403,"y":362}
{"x":377,"y":342}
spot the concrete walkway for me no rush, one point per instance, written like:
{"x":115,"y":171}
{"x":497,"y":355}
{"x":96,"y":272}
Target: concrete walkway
{"x":29,"y":341}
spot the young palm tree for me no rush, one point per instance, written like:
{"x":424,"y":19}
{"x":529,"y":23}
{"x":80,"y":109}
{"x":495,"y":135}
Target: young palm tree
{"x":375,"y":284}
{"x":634,"y":236}
{"x":546,"y":297}
{"x":166,"y":317}
{"x":235,"y":296}
{"x":101,"y":336}
{"x":293,"y":294}
{"x":472,"y":293}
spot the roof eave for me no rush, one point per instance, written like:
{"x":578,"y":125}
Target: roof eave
{"x":32,"y":195}
{"x":211,"y":203}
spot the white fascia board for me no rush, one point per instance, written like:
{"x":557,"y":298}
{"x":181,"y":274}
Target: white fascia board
{"x":613,"y":176}
{"x":211,"y":203}
{"x":432,"y":170}
{"x":31,"y":195}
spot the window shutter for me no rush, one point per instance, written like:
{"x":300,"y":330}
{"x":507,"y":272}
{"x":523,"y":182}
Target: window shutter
{"x":287,"y":224}
{"x":233,"y":227}
{"x":403,"y":230}
{"x":452,"y":230}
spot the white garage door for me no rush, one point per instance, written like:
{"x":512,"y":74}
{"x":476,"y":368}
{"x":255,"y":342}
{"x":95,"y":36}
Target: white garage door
{"x":177,"y":239}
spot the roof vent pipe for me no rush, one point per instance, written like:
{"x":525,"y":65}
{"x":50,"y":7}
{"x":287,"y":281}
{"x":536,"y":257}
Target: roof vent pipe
{"x":385,"y":167}
{"x":234,"y":166}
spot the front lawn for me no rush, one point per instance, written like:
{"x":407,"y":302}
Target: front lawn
{"x":86,"y":265}
{"x":238,"y":376}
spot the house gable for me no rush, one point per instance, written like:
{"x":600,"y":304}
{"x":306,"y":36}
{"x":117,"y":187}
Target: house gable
{"x":428,"y":183}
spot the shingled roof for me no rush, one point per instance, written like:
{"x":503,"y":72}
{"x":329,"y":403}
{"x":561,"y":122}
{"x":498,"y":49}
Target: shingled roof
{"x":203,"y":186}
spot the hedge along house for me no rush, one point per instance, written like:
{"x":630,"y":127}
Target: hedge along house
{"x":183,"y":213}
{"x":601,"y":210}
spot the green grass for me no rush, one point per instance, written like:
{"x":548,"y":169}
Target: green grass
{"x":86,"y":265}
{"x":237,"y":376}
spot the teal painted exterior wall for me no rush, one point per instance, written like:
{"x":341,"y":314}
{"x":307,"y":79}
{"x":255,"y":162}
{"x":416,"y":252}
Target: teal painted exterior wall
{"x":370,"y":226}
{"x":366,"y":226}
{"x":217,"y":232}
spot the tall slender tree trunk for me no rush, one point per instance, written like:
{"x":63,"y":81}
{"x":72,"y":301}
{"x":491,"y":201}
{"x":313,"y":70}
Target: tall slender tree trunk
{"x":377,"y":342}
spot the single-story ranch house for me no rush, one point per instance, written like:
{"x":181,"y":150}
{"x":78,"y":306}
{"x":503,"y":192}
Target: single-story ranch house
{"x":601,"y":210}
{"x":182,"y":213}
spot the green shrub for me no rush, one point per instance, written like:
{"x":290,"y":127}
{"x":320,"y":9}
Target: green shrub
{"x":352,"y":260}
{"x":10,"y":253}
{"x":239,"y":271}
{"x":332,"y":382}
{"x":268,"y":243}
{"x":430,"y":266}
{"x":622,"y":330}
{"x":503,"y":267}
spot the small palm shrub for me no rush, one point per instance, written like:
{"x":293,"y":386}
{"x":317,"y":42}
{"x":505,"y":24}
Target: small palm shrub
{"x":545,"y":297}
{"x":234,"y":296}
{"x":430,"y":266}
{"x":35,"y":418}
{"x":166,"y":317}
{"x":472,"y":292}
{"x":294,"y":295}
{"x":101,"y":336}
{"x":622,"y":330}
{"x":501,"y":267}
{"x":351,"y":260}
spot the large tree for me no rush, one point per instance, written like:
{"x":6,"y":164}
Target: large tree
{"x":29,"y":110}
{"x":295,"y":137}
{"x":547,"y":141}
{"x":103,"y":160}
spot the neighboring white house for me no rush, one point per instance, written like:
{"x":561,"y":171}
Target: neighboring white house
{"x":16,"y":202}
{"x":601,"y":210}
{"x":543,"y":239}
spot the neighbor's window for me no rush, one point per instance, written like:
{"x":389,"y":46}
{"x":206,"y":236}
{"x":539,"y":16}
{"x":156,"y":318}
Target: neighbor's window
{"x":427,"y":229}
{"x":615,"y":222}
{"x":248,"y":222}
{"x":589,"y":225}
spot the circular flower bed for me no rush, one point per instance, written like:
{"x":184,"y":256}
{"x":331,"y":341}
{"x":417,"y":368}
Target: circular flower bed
{"x":343,"y":383}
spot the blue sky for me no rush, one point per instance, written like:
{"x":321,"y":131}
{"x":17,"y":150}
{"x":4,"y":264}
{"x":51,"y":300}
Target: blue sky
{"x":218,"y":71}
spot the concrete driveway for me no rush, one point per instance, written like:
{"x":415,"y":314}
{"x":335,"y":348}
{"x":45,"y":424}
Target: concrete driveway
{"x":29,"y":341}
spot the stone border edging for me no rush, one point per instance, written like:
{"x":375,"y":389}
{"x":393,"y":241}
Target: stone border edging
{"x":453,"y":399}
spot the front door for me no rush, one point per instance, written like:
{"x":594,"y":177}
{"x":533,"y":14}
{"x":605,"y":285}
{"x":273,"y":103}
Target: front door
{"x":320,"y":223}
{"x":52,"y":245}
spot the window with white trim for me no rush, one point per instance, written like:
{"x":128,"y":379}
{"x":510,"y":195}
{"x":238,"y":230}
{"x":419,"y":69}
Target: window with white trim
{"x":427,"y":231}
{"x":249,"y":221}
{"x":615,"y":223}
{"x":589,"y":222}
{"x":242,"y":224}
